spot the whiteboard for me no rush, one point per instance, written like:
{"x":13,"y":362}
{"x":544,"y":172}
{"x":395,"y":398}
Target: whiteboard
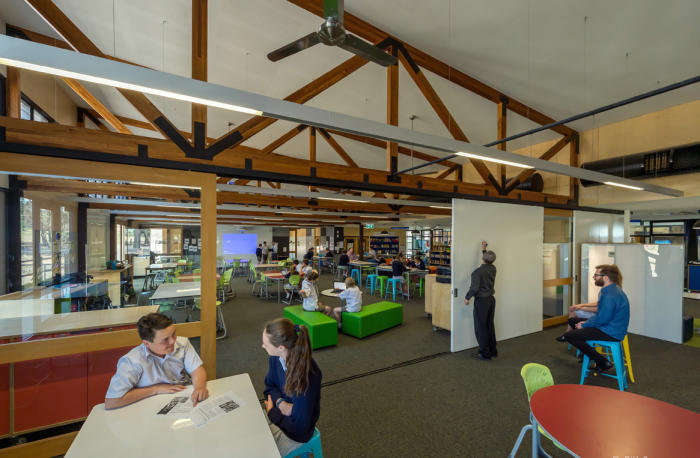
{"x":515,"y":233}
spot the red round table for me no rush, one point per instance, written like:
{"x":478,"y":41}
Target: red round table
{"x":595,"y":421}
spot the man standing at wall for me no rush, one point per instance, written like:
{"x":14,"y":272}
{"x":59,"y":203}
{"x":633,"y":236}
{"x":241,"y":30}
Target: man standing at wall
{"x":482,"y":290}
{"x":265,"y":252}
{"x":611,"y":321}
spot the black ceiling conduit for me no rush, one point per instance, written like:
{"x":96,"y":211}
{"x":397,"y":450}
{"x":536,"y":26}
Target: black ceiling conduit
{"x":672,"y":161}
{"x":586,"y":114}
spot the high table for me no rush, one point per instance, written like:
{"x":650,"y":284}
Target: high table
{"x":363,"y":265}
{"x":136,"y":430}
{"x":115,"y":278}
{"x":595,"y":421}
{"x":161,"y":266}
{"x":279,"y":278}
{"x":193,"y":277}
{"x":407,"y":273}
{"x":264,"y":267}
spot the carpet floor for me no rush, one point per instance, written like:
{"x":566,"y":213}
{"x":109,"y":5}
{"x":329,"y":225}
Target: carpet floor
{"x":402,"y":393}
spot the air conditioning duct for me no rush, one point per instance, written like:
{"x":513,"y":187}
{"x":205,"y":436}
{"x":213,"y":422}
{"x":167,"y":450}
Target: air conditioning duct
{"x":673,"y":161}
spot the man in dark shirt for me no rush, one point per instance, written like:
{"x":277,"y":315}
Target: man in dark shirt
{"x":481,"y":289}
{"x":397,"y":269}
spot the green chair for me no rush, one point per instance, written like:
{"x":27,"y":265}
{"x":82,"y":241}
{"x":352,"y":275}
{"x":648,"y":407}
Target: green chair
{"x":380,"y":284}
{"x":197,"y":271}
{"x":224,"y":285}
{"x":323,"y":330}
{"x":294,"y":282}
{"x":535,"y":376}
{"x":372,"y":319}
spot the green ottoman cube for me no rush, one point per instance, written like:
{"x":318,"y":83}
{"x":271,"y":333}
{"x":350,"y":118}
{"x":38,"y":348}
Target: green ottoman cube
{"x":372,"y":319}
{"x":323,"y":330}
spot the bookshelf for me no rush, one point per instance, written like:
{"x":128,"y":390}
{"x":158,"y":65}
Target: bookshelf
{"x":385,"y":244}
{"x":440,"y":249}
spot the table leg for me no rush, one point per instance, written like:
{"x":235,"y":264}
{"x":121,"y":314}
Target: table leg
{"x":535,"y":437}
{"x":279,"y":295}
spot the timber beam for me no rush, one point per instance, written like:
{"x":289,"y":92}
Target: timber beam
{"x":29,"y":137}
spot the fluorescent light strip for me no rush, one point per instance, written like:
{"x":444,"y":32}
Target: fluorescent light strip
{"x":163,"y":185}
{"x":490,"y":159}
{"x":120,"y":84}
{"x":626,"y":186}
{"x":440,"y":206}
{"x":344,"y":200}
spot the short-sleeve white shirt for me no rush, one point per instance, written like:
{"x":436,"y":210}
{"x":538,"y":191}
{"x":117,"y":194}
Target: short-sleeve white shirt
{"x":140,"y":368}
{"x":353,"y":299}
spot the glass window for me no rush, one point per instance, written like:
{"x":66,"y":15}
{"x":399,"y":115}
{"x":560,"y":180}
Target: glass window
{"x":97,"y":238}
{"x":27,"y":242}
{"x":157,"y":241}
{"x":65,"y":241}
{"x":45,"y":247}
{"x":25,"y":110}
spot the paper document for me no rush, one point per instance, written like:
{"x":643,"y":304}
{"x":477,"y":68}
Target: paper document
{"x":178,"y":404}
{"x":213,"y":408}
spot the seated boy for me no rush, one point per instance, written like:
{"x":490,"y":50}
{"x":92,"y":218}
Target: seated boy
{"x":162,"y":364}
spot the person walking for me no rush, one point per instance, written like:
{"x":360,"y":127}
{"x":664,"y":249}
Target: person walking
{"x":258,"y":252}
{"x":265,"y":252}
{"x":482,"y":290}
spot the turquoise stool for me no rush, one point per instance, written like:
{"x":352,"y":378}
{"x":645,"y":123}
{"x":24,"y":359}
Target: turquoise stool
{"x":357,"y":279}
{"x":381,"y":284}
{"x":393,"y":282}
{"x":371,"y":282}
{"x":313,"y":446}
{"x":615,"y":349}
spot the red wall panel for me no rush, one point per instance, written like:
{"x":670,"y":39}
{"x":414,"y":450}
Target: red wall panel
{"x":101,"y":367}
{"x":49,"y":391}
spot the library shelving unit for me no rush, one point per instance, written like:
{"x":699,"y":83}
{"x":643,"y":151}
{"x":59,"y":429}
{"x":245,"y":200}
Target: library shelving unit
{"x":385,"y":244}
{"x":440,"y":249}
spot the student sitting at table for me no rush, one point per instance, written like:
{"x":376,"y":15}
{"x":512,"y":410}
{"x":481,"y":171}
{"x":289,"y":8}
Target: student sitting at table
{"x":310,"y":295}
{"x":309,"y":255}
{"x":329,"y":253}
{"x":351,"y":255}
{"x":353,"y":300}
{"x":416,"y":263}
{"x":162,"y":364}
{"x":344,"y":259}
{"x":397,"y":270}
{"x":292,"y":384}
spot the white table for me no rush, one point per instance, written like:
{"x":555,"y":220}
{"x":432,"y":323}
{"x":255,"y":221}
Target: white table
{"x":177,"y":290}
{"x":137,"y":431}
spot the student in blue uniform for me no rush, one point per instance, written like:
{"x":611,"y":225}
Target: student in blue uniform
{"x":292,"y":384}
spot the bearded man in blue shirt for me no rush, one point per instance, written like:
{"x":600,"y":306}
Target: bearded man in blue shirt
{"x":611,"y":321}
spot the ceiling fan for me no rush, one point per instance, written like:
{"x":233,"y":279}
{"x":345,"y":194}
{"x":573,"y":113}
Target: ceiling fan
{"x":332,"y":33}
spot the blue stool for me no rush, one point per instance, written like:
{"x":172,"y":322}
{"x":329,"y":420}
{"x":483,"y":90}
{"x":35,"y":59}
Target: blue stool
{"x":313,"y":446}
{"x":353,"y":272}
{"x":615,"y":350}
{"x":371,"y":281}
{"x":393,"y":282}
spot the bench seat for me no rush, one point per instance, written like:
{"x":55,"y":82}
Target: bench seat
{"x":372,"y":319}
{"x":323,"y":330}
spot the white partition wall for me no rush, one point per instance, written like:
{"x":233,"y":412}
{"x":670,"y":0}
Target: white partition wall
{"x":515,"y":234}
{"x":652,"y":279}
{"x":592,"y":227}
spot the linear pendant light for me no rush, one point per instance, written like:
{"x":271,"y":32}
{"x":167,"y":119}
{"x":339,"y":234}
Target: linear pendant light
{"x":55,"y":61}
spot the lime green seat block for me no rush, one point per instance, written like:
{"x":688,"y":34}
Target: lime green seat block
{"x":323,"y":330}
{"x":372,"y":319}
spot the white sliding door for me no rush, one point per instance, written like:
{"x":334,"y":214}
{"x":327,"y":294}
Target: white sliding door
{"x":515,"y":234}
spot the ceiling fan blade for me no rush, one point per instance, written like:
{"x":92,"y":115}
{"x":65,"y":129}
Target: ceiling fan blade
{"x":294,"y":47}
{"x":362,"y":48}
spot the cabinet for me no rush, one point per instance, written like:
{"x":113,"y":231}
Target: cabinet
{"x":438,"y":302}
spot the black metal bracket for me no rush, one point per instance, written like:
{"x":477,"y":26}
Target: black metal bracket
{"x":197,"y":149}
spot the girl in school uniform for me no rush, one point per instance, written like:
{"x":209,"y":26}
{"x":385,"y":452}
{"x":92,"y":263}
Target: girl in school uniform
{"x":292,"y":384}
{"x":353,"y":300}
{"x":310,"y":295}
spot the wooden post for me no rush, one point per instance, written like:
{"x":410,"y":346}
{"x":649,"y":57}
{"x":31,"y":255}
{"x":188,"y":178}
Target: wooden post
{"x":502,"y":133}
{"x":12,"y":92}
{"x":362,"y":248}
{"x":199,"y":57}
{"x":208,"y":265}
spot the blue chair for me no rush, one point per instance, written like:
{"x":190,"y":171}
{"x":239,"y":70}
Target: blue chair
{"x":615,"y":351}
{"x":371,"y":281}
{"x":394,"y":282}
{"x":355,"y":273}
{"x":312,"y":446}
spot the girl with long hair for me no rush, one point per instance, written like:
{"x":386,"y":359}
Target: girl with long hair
{"x":292,"y":384}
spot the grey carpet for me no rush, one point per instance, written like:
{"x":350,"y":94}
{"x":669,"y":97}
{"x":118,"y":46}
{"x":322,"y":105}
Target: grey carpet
{"x":449,"y":405}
